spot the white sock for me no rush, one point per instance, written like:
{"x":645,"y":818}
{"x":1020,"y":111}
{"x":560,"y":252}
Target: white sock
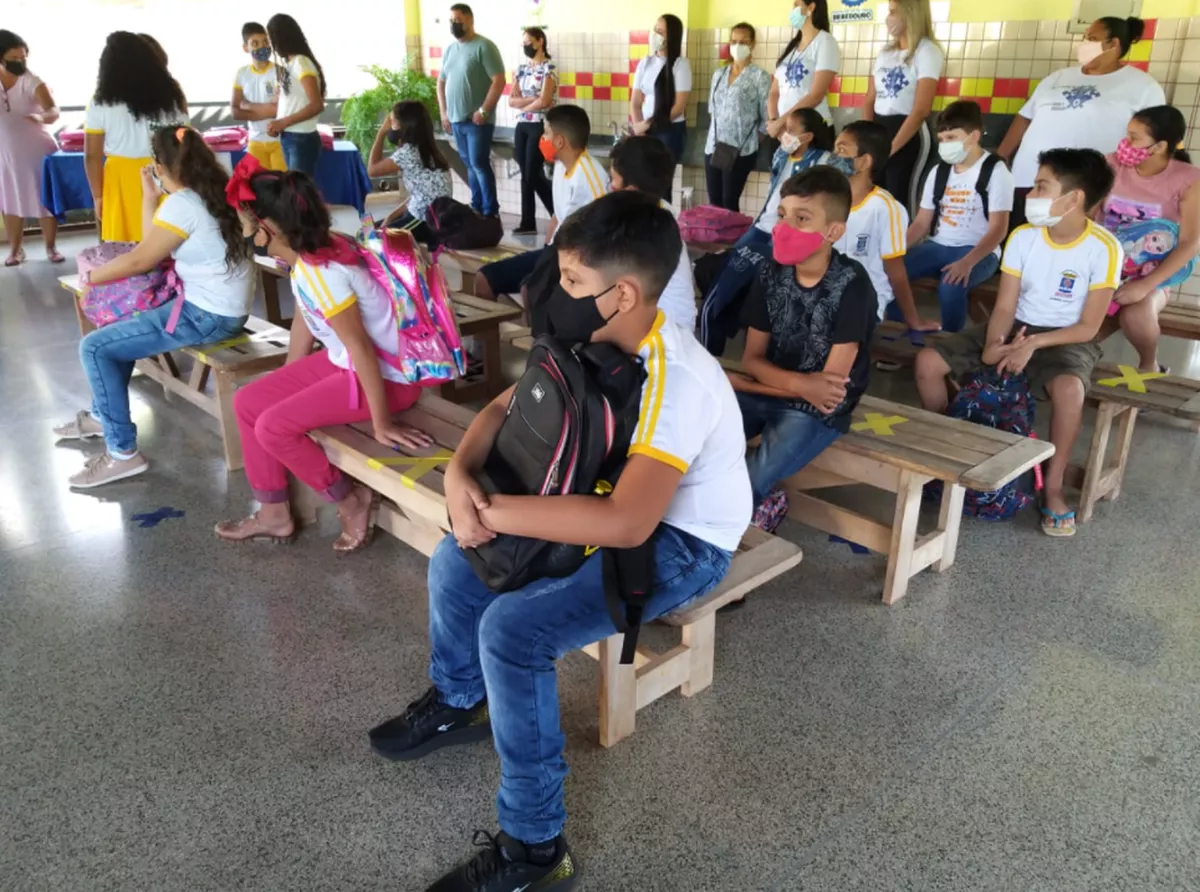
{"x":122,"y":456}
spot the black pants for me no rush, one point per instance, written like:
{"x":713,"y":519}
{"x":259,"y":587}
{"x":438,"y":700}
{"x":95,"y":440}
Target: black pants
{"x":508,"y":275}
{"x":419,"y":229}
{"x":901,"y":176}
{"x":725,"y":186}
{"x":674,"y":137}
{"x":533,"y":172}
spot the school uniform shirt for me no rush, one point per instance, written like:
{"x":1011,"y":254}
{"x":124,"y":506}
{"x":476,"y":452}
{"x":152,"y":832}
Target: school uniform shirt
{"x":678,"y":299}
{"x":260,"y":87}
{"x":325,"y":291}
{"x":806,"y":323}
{"x":690,"y":420}
{"x":795,"y":73}
{"x":961,"y":220}
{"x":1056,"y":279}
{"x":1073,"y":110}
{"x":875,"y":232}
{"x":124,"y":135}
{"x":582,"y":184}
{"x":208,"y":282}
{"x":294,"y":98}
{"x":896,"y":76}
{"x":737,"y":111}
{"x":424,"y":184}
{"x":644,"y":78}
{"x":530,"y":81}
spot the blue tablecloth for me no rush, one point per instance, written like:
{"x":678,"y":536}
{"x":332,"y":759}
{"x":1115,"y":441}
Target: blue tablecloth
{"x":341,"y":176}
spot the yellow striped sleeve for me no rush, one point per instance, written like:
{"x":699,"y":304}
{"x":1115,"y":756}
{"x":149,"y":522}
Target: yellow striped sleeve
{"x":169,"y":227}
{"x":655,"y":374}
{"x":329,"y":304}
{"x":1112,"y":261}
{"x":592,"y":177}
{"x":1008,"y":270}
{"x":896,"y":247}
{"x":305,"y":67}
{"x":658,"y":455}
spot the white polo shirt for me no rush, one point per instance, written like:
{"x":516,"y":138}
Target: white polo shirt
{"x":1057,"y":279}
{"x":690,"y":420}
{"x":875,"y":232}
{"x":581,"y":185}
{"x":648,"y":70}
{"x":294,"y":98}
{"x":124,"y":135}
{"x":208,"y":282}
{"x":260,"y":87}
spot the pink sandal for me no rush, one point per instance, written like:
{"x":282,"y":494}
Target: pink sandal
{"x":250,"y":529}
{"x":359,"y":535}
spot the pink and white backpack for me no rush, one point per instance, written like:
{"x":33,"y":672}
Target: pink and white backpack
{"x":124,"y":298}
{"x":708,"y":223}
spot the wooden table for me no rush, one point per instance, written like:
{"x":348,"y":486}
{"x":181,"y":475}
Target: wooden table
{"x":269,"y":274}
{"x":261,"y":347}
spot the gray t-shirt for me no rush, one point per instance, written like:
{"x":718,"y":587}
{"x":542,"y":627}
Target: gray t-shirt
{"x":467,"y":70}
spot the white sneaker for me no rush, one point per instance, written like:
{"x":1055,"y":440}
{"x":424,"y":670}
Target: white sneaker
{"x":104,"y":468}
{"x":84,"y":427}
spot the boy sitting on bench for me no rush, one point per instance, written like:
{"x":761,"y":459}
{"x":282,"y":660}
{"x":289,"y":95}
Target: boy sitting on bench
{"x":810,"y":316}
{"x":684,"y":488}
{"x":1057,"y":278}
{"x":578,"y":180}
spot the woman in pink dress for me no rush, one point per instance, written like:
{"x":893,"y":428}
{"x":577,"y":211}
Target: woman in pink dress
{"x":25,"y":108}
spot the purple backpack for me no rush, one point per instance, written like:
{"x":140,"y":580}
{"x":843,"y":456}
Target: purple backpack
{"x":124,"y":298}
{"x":713,"y":224}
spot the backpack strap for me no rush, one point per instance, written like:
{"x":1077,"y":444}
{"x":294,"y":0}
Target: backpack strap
{"x":628,"y":585}
{"x":990,"y":160}
{"x":941,"y":176}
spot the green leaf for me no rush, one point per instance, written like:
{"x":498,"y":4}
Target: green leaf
{"x":363,"y":112}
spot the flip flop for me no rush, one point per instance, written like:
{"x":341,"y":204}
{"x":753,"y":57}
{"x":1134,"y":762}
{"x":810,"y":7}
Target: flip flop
{"x":55,"y":257}
{"x":1058,"y":526}
{"x":15,"y":259}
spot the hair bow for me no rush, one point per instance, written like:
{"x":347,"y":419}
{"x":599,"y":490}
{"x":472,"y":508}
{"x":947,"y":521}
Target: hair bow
{"x":238,"y":190}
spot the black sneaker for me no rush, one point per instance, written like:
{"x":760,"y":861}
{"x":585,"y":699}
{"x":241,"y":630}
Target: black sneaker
{"x":525,"y":230}
{"x":427,"y":725}
{"x":503,"y":866}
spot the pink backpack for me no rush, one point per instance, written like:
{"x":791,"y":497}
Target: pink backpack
{"x":226,"y":139}
{"x":124,"y":298}
{"x":713,"y":224}
{"x":71,"y":140}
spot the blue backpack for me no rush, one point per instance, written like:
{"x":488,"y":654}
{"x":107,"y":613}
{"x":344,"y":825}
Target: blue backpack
{"x":1002,"y":402}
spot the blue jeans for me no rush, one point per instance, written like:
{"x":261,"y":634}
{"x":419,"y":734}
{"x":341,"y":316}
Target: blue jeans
{"x":790,"y":440}
{"x":927,"y":259}
{"x":301,"y":151}
{"x":720,"y":314}
{"x":505,"y":646}
{"x":108,"y":355}
{"x":474,"y":143}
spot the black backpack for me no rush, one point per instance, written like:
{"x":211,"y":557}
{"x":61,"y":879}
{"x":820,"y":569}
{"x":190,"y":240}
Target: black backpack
{"x":457,"y":226}
{"x":567,"y":430}
{"x":941,"y":176}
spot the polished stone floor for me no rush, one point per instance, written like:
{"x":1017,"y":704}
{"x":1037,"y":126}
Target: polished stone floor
{"x":176,"y":714}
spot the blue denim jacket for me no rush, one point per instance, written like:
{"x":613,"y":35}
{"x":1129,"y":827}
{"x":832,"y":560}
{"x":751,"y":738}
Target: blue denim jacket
{"x":779,"y":165}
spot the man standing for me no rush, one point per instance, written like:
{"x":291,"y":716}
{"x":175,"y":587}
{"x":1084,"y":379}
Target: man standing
{"x":469,"y":87}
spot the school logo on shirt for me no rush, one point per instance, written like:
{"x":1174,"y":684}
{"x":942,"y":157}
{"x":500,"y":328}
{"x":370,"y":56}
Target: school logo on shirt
{"x":796,"y":72}
{"x":1078,"y":97}
{"x":270,"y":87}
{"x":861,"y":245}
{"x":893,"y":82}
{"x":1066,"y":284}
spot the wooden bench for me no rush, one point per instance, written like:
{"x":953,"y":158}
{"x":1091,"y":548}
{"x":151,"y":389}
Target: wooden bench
{"x":980,"y":299}
{"x":469,"y":262}
{"x":411,"y":482}
{"x":1180,"y":321}
{"x":261,"y":347}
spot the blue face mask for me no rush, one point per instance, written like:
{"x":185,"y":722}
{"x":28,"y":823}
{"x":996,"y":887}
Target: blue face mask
{"x":262,"y":54}
{"x":845,"y":165}
{"x":797,"y":17}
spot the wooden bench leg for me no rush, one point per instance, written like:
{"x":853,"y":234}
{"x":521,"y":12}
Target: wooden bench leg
{"x":618,"y":693}
{"x":1093,"y":488}
{"x":1121,"y":450}
{"x":904,"y":536}
{"x":231,"y":438}
{"x":492,"y":373}
{"x":949,"y":522}
{"x":700,"y":638}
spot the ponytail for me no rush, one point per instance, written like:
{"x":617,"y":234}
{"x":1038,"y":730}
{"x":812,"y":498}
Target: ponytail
{"x":1166,"y":124}
{"x":1126,"y":32}
{"x":294,"y":203}
{"x":664,"y":87}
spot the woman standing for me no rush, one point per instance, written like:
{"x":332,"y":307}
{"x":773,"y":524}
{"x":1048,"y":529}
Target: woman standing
{"x":737,"y":100}
{"x":900,"y":95}
{"x":1155,"y":180}
{"x":1083,"y":107}
{"x":536,"y":87}
{"x":134,"y":92}
{"x":661,"y":86}
{"x":301,"y":95}
{"x":806,"y":67}
{"x":24,"y":142}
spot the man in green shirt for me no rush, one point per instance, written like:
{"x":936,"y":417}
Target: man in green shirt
{"x":469,"y":87}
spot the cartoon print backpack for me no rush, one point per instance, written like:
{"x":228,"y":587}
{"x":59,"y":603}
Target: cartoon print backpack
{"x":124,"y":298}
{"x":1146,"y":244}
{"x":1002,"y":402}
{"x":713,"y":224}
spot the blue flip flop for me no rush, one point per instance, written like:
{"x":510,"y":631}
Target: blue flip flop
{"x":1058,"y":526}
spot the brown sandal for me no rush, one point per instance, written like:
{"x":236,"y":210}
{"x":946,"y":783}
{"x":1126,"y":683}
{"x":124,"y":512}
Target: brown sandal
{"x":250,"y":529}
{"x":358,"y":537}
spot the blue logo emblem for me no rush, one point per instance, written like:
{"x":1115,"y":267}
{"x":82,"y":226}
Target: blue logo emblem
{"x":860,"y":247}
{"x":1066,"y":284}
{"x":893,"y":82}
{"x":1078,"y":97}
{"x":853,"y":3}
{"x":796,"y":72}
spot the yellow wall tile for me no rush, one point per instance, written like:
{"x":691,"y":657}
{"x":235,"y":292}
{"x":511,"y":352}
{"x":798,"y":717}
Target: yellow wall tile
{"x":583,"y":92}
{"x":832,"y":99}
{"x":967,"y":87}
{"x":602,"y":79}
{"x":854,"y":85}
{"x":1033,"y":85}
{"x":638,"y":50}
{"x":566,"y":78}
{"x":1140,"y":51}
{"x":620,"y":94}
{"x":985,"y":86}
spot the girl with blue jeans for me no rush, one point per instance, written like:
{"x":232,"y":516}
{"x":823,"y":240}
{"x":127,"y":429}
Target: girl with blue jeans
{"x":301,"y":95}
{"x":203,"y":234}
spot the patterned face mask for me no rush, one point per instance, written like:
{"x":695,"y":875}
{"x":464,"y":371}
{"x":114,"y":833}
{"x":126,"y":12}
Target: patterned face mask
{"x":1130,"y":155}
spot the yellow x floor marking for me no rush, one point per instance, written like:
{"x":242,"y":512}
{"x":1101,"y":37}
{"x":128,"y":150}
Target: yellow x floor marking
{"x":1131,"y":378}
{"x":419,"y":465}
{"x":879,"y":424}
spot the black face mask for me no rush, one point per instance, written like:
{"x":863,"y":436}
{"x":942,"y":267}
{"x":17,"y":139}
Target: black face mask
{"x":14,"y":67}
{"x":530,"y":50}
{"x":260,"y":250}
{"x":457,"y":30}
{"x":394,"y":137}
{"x":574,"y":320}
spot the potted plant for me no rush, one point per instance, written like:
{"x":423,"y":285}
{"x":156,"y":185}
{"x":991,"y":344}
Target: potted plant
{"x":364,"y":112}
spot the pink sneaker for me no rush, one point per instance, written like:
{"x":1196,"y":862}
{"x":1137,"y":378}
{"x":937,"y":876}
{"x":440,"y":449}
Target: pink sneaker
{"x":83,"y":427}
{"x":103,"y":468}
{"x":770,"y":514}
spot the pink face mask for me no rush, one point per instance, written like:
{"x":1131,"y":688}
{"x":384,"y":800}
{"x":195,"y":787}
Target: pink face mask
{"x":1130,"y":156}
{"x":790,"y":246}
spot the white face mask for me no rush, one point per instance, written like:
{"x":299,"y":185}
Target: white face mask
{"x":789,"y":143}
{"x":1088,"y":51}
{"x":1037,"y":212}
{"x":953,"y":152}
{"x":657,"y":42}
{"x":739,"y":52}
